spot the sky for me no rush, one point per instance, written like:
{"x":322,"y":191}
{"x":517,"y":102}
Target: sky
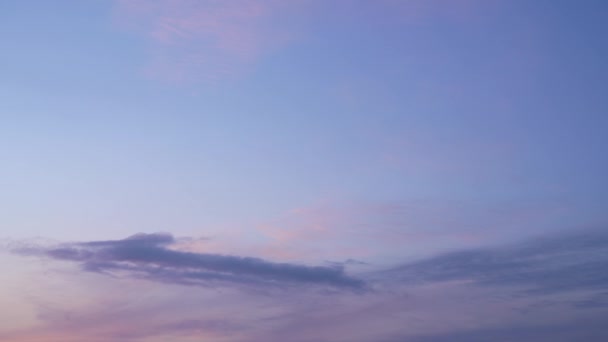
{"x":303,"y":171}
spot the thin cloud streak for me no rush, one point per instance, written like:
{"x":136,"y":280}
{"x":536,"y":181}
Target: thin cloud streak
{"x":574,"y":261}
{"x":203,"y":40}
{"x":209,"y":40}
{"x":149,"y":256}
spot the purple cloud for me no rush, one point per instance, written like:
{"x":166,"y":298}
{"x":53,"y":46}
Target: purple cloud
{"x":150,"y":256}
{"x":575,"y":261}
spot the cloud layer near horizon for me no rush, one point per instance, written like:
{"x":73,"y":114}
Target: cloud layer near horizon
{"x":479,"y":294}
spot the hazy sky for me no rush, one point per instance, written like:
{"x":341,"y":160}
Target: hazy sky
{"x":303,"y":170}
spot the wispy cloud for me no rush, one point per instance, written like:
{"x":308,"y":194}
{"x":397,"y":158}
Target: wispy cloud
{"x":150,"y":256}
{"x":371,"y":231}
{"x":554,"y":263}
{"x":210,"y":40}
{"x":203,"y":40}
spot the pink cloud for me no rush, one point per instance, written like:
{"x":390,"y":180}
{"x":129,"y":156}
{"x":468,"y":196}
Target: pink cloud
{"x":210,"y":40}
{"x":119,"y":309}
{"x":377,"y":232}
{"x":194,"y":40}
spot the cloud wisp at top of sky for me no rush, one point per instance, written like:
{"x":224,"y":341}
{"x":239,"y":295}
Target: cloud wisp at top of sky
{"x":194,"y":41}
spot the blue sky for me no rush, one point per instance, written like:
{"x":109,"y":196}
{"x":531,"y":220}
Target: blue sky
{"x":271,"y":152}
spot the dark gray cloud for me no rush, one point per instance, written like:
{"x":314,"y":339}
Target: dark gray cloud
{"x":150,"y":256}
{"x":566,"y":262}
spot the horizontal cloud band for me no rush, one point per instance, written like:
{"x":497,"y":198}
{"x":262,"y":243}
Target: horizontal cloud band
{"x":149,"y":256}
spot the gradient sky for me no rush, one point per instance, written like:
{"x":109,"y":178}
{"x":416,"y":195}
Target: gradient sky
{"x":303,"y":170}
